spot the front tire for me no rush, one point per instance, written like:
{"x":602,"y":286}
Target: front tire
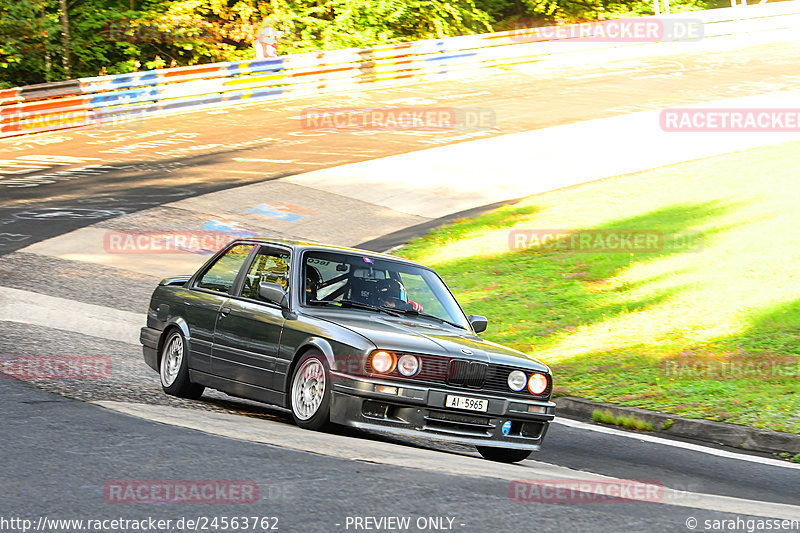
{"x":310,"y":392}
{"x":174,"y":370}
{"x":503,"y":455}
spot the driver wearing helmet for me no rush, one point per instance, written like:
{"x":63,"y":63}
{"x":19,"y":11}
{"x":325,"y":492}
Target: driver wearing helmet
{"x":391,"y":293}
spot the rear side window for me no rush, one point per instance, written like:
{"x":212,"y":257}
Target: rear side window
{"x":221,"y":275}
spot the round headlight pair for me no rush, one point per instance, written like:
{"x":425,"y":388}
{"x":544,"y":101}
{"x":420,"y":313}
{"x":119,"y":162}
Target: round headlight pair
{"x":517,"y":380}
{"x":385,"y":362}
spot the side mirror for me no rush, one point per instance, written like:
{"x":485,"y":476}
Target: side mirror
{"x":478,"y":323}
{"x":273,"y":293}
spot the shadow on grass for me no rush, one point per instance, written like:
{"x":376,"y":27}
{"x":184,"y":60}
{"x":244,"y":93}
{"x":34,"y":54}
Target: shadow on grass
{"x":539,"y":295}
{"x":752,"y":378}
{"x":772,"y":332}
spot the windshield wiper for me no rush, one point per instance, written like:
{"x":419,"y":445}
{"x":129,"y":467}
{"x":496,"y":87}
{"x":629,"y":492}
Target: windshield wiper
{"x":321,"y":302}
{"x":356,"y":305}
{"x":428,"y":315}
{"x":359,"y":305}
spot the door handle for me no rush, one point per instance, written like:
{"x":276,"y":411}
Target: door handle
{"x":225,"y":311}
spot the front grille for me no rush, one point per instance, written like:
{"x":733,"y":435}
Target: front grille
{"x":466,"y":373}
{"x":432,"y":368}
{"x":458,"y":424}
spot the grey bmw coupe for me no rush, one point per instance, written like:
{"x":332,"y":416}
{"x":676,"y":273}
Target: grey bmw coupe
{"x":345,"y":336}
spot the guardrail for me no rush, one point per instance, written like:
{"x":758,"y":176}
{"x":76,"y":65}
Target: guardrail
{"x":88,"y":101}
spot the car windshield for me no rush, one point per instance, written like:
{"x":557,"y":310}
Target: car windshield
{"x":372,"y":283}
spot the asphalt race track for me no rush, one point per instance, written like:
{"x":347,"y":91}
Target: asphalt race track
{"x":66,"y":440}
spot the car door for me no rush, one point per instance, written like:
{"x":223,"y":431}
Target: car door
{"x":248,"y":332}
{"x":202,"y":304}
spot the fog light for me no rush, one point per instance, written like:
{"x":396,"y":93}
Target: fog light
{"x":383,"y":362}
{"x":408,"y":365}
{"x":537,"y":383}
{"x":385,"y":389}
{"x":517,"y":380}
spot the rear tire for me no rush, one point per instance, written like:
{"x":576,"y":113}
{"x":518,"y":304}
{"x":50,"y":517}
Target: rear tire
{"x":503,"y":455}
{"x":174,"y":370}
{"x":310,"y":392}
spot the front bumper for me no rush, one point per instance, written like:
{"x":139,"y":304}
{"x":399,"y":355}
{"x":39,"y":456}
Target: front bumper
{"x":420,"y":411}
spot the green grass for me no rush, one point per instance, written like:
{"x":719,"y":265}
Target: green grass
{"x":713,"y":333}
{"x":629,"y":422}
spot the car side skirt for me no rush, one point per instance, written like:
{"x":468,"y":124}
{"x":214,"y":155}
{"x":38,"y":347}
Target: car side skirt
{"x":237,"y":388}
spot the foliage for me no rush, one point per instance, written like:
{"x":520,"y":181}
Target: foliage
{"x":114,"y":36}
{"x":27,"y":32}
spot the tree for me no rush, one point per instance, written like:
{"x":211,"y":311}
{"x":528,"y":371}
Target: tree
{"x":27,"y":32}
{"x":115,"y":36}
{"x":65,"y":45}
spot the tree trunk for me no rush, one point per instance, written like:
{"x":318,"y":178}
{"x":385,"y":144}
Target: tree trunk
{"x":48,"y":59}
{"x":65,"y":38}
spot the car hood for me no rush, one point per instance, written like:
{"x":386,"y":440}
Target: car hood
{"x":423,"y":336}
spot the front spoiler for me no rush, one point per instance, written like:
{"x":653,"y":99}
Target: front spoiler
{"x":419,"y":411}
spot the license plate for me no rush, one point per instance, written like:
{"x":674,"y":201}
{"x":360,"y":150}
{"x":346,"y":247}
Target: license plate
{"x":463,"y":402}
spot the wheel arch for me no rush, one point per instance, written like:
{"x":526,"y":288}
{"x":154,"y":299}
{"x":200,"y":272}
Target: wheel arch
{"x":311,"y":344}
{"x":178,"y":324}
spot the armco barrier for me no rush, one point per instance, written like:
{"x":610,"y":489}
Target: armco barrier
{"x":104,"y":99}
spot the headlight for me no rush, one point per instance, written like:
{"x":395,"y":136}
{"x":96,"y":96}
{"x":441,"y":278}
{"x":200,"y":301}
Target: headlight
{"x":537,"y":383}
{"x":383,"y":362}
{"x":517,"y":380}
{"x":408,"y":365}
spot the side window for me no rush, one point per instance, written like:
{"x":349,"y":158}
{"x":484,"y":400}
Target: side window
{"x":222,"y":273}
{"x":269,"y":266}
{"x":324,"y":279}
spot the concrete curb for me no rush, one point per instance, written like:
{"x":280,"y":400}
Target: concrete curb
{"x":746,"y":438}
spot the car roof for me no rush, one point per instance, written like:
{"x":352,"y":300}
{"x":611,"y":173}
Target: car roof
{"x":299,"y":246}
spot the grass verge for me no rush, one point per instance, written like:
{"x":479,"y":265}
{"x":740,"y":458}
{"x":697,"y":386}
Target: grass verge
{"x":628,"y":422}
{"x":705,"y":324}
